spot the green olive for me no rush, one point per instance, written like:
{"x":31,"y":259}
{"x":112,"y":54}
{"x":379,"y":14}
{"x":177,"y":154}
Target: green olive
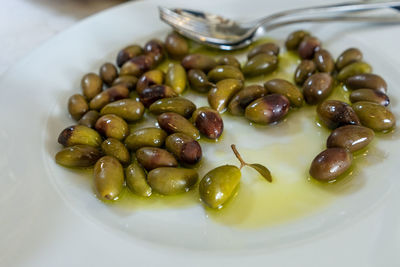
{"x":351,"y":137}
{"x":198,"y":81}
{"x":154,"y":157}
{"x":305,"y":69}
{"x":286,"y":88}
{"x":155,"y":92}
{"x":324,"y":61}
{"x":266,"y":48}
{"x":335,"y":113}
{"x":79,"y":135}
{"x":78,"y":156}
{"x":91,"y":85}
{"x":176,"y":46}
{"x":208,"y":122}
{"x":348,"y":56}
{"x":155,"y":48}
{"x":175,"y":123}
{"x":222,"y":93}
{"x":176,"y":78}
{"x":137,"y":65}
{"x":198,"y":61}
{"x":369,"y":95}
{"x":111,"y":125}
{"x":89,"y":118}
{"x":111,"y":94}
{"x":114,"y":147}
{"x":308,"y":46}
{"x":224,"y":72}
{"x":317,"y":87}
{"x":128,"y":109}
{"x":374,"y":116}
{"x":146,"y":137}
{"x":267,"y":109}
{"x":149,"y":78}
{"x":136,"y":179}
{"x":244,"y":97}
{"x":331,"y":163}
{"x":294,"y":39}
{"x":172,"y":181}
{"x":128,"y":81}
{"x":260,"y":64}
{"x":366,"y":80}
{"x":108,"y":178}
{"x":179,"y":105}
{"x":218,"y":185}
{"x":128,"y":53}
{"x":185,"y":149}
{"x":108,"y":73}
{"x":77,"y":106}
{"x":352,"y":69}
{"x":229,"y":60}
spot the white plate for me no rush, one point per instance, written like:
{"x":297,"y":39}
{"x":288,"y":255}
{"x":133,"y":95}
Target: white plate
{"x":51,"y":218}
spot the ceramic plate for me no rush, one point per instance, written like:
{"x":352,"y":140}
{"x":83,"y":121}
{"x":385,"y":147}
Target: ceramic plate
{"x":50,"y":216}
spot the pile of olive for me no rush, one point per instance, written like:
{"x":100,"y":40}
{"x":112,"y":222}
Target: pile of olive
{"x":162,"y":159}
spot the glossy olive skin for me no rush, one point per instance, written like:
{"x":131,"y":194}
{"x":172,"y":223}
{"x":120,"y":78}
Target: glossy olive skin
{"x":175,"y":123}
{"x":176,"y":78}
{"x":79,"y":135}
{"x":149,"y":78}
{"x":330,"y":164}
{"x":198,"y":81}
{"x":128,"y":109}
{"x":78,"y":156}
{"x":114,"y":93}
{"x":317,"y":87}
{"x":198,"y":61}
{"x":267,"y":109}
{"x":113,"y":126}
{"x":366,"y":80}
{"x":185,"y":149}
{"x":224,"y":72}
{"x":305,"y":69}
{"x":128,"y":53}
{"x":208,"y":122}
{"x":348,"y":56}
{"x":267,"y":48}
{"x":350,"y":137}
{"x":128,"y":81}
{"x":222,"y":93}
{"x":179,"y":105}
{"x":114,"y":147}
{"x":108,"y":178}
{"x":260,"y":64}
{"x":177,"y":47}
{"x":136,"y":179}
{"x":244,"y":97}
{"x":153,"y":93}
{"x":334,"y":113}
{"x":172,"y":181}
{"x":369,"y":95}
{"x":294,"y":39}
{"x":154,"y":157}
{"x":374,"y":116}
{"x":286,"y":88}
{"x":155,"y":48}
{"x":137,"y":65}
{"x":146,"y":137}
{"x":218,"y":185}
{"x":91,"y":85}
{"x":324,"y":61}
{"x":89,"y":118}
{"x":229,"y":60}
{"x":352,"y":69}
{"x":108,"y":73}
{"x":308,"y":46}
{"x":77,"y":106}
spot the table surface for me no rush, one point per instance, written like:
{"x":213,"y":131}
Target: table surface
{"x":25,"y":24}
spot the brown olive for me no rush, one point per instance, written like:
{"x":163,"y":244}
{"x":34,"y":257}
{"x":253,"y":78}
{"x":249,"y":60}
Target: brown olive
{"x":266,"y":48}
{"x":155,"y":48}
{"x":185,"y":148}
{"x":229,"y":60}
{"x":153,"y":93}
{"x":308,"y":46}
{"x":154,"y":157}
{"x":267,"y":109}
{"x":335,"y":113}
{"x":175,"y":123}
{"x":137,"y":65}
{"x":176,"y":46}
{"x":108,"y":73}
{"x":369,"y":95}
{"x":198,"y":61}
{"x":208,"y":122}
{"x":128,"y":53}
{"x":324,"y":61}
{"x":305,"y":69}
{"x":366,"y":80}
{"x":317,"y":87}
{"x":89,"y":118}
{"x":351,"y":137}
{"x":128,"y":81}
{"x":114,"y":93}
{"x":149,"y":78}
{"x":294,"y":39}
{"x":348,"y":56}
{"x":331,"y":163}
